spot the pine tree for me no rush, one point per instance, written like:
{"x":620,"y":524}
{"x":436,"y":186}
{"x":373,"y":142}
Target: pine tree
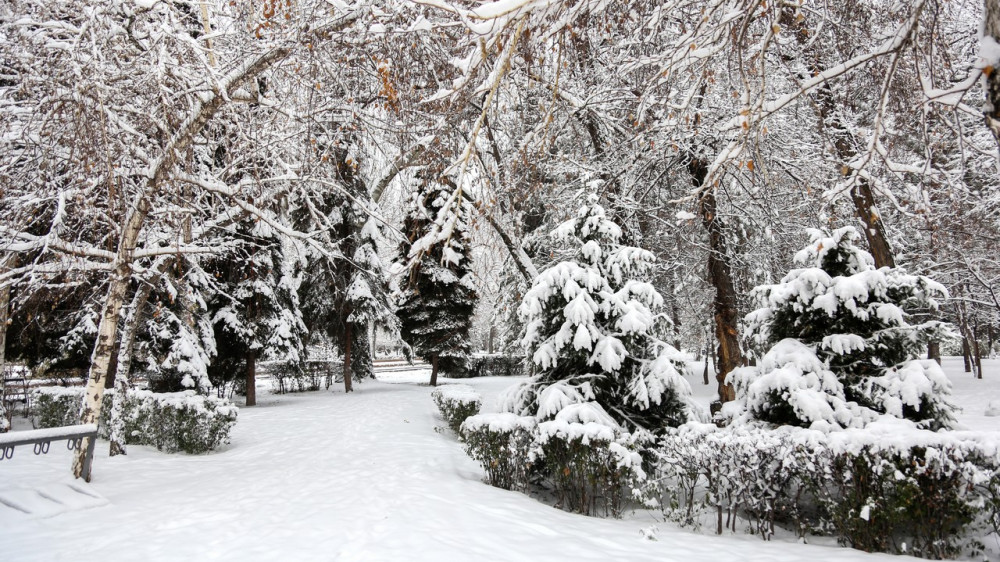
{"x":256,"y":315}
{"x":345,"y":296}
{"x":173,"y":353}
{"x":840,"y":346}
{"x":438,"y":297}
{"x":366,"y":299}
{"x":591,"y":325}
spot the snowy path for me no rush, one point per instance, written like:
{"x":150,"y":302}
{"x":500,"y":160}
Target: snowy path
{"x":328,"y":476}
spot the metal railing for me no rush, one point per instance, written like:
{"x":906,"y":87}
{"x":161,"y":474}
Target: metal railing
{"x":73,"y":435}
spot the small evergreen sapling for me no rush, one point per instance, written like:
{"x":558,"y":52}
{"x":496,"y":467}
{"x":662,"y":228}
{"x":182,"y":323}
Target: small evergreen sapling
{"x":438,"y":297}
{"x":590,"y":325}
{"x":840,"y":346}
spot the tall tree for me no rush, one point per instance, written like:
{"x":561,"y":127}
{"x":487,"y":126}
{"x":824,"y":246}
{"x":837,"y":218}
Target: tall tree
{"x":438,"y":298}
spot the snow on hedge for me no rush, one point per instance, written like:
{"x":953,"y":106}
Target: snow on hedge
{"x":176,"y":421}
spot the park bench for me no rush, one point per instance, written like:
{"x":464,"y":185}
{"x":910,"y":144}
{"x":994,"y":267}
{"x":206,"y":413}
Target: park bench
{"x":41,"y":439}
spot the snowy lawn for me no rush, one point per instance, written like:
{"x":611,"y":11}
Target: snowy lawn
{"x":364,"y":476}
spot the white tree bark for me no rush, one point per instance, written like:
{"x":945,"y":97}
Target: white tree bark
{"x":159,"y":173}
{"x":4,"y":316}
{"x":123,"y":383}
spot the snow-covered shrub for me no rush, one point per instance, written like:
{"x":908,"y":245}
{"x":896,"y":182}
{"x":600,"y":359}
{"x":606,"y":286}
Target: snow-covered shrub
{"x":313,"y":375}
{"x":736,"y":471}
{"x":792,"y":386}
{"x":502,"y":444}
{"x":171,"y":422}
{"x":58,"y":406}
{"x":840,"y":345}
{"x":590,"y":463}
{"x":457,"y":402}
{"x":590,"y":330}
{"x":496,"y":365}
{"x":179,"y":421}
{"x":889,"y":487}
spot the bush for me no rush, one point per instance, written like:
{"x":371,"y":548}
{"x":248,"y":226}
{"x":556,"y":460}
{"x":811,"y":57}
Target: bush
{"x":456,"y":403}
{"x":502,"y":444}
{"x":590,"y":465}
{"x":171,"y":422}
{"x":313,"y":376}
{"x":57,"y":406}
{"x":496,"y":366}
{"x":888,"y":488}
{"x":179,"y":421}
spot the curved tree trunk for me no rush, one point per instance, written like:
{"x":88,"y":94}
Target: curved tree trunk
{"x":122,"y":383}
{"x":829,"y":124}
{"x":721,"y":277}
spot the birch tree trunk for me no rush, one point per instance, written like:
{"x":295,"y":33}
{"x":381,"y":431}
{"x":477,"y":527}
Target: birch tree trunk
{"x":123,"y":380}
{"x":4,"y":316}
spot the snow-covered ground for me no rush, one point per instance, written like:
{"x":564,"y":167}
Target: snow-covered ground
{"x":365,"y":476}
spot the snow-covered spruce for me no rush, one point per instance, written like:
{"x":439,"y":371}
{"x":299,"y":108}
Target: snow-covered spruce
{"x":255,"y":311}
{"x":176,"y":345}
{"x":171,"y":422}
{"x":438,"y":297}
{"x":877,"y":488}
{"x":344,"y":292}
{"x":591,"y":325}
{"x":456,"y":402}
{"x":840,"y":345}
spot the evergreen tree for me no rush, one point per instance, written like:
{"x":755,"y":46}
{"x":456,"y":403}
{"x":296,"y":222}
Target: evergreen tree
{"x":591,"y":325}
{"x":345,"y":296}
{"x":840,"y":346}
{"x":438,"y":297}
{"x":173,"y":353}
{"x":256,"y":315}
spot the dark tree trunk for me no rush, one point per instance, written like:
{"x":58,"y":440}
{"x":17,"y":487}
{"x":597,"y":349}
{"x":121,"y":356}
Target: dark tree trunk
{"x":720,"y":275}
{"x":434,"y":370}
{"x":934,"y":351}
{"x":252,"y":378}
{"x":708,"y":357}
{"x":977,"y":355}
{"x":966,"y":352}
{"x":348,"y":334}
{"x":864,"y":207}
